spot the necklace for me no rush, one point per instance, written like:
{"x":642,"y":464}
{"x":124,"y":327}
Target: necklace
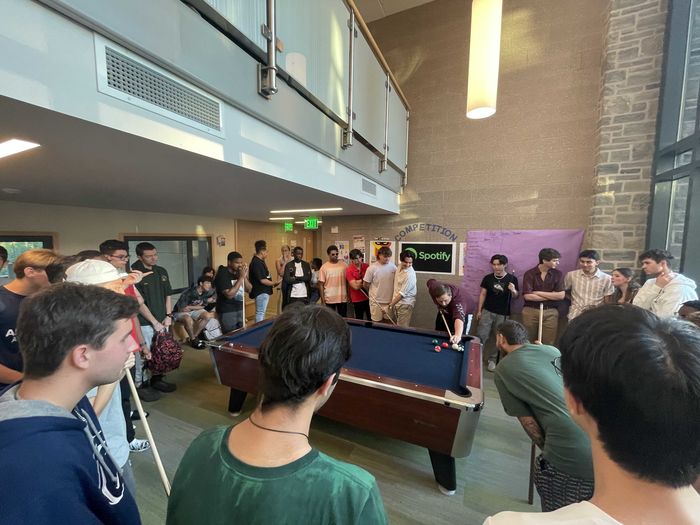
{"x":501,"y":277}
{"x":275,"y":430}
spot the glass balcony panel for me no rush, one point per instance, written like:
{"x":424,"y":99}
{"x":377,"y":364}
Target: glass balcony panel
{"x":315,"y":38}
{"x":369,"y":94}
{"x":245,"y":15}
{"x":397,"y":130}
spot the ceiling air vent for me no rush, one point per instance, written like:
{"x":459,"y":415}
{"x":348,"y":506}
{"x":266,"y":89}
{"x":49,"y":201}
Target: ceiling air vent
{"x":126,"y":76}
{"x":369,"y":187}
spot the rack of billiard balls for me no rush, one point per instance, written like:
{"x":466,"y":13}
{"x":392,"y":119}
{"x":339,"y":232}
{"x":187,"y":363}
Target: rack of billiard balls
{"x":439,"y":346}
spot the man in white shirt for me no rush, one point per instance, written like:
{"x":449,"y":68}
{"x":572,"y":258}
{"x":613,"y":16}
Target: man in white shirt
{"x":297,"y":277}
{"x":632,"y":382}
{"x":665,"y":291}
{"x":588,"y":286}
{"x":379,"y":282}
{"x":404,"y":290}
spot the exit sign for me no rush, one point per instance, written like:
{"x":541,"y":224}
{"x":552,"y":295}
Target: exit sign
{"x":311,"y":223}
{"x":288,"y":226}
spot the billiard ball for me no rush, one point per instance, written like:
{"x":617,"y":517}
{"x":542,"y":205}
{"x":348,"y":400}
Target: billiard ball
{"x":455,"y":346}
{"x":437,"y":348}
{"x":435,"y":341}
{"x":444,"y":345}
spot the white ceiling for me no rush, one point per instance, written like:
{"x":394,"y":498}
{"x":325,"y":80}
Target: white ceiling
{"x":372,"y":10}
{"x":84,"y":164}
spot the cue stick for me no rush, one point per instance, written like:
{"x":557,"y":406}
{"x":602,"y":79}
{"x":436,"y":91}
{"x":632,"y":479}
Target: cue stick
{"x":149,"y":435}
{"x":379,"y":305}
{"x":446,"y":326}
{"x":539,"y":328}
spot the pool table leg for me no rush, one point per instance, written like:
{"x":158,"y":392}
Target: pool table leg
{"x":444,"y":469}
{"x":235,"y":401}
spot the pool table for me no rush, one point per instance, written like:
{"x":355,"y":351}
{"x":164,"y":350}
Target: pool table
{"x":395,"y":384}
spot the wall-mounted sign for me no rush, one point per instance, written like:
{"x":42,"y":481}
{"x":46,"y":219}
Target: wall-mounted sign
{"x":431,"y":257}
{"x":425,"y":227}
{"x":311,"y":223}
{"x":288,"y":226}
{"x":380,"y":243}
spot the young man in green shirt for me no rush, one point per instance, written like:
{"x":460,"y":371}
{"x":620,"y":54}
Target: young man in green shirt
{"x":264,"y":470}
{"x":531,"y":389}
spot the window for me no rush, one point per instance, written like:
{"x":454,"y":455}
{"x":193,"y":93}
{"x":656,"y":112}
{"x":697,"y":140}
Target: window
{"x":675,"y":214}
{"x":183,"y":257}
{"x":16,"y":244}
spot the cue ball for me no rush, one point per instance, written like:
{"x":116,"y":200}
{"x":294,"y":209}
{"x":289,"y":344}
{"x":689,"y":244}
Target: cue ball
{"x":455,"y":346}
{"x":444,"y":345}
{"x":437,"y":348}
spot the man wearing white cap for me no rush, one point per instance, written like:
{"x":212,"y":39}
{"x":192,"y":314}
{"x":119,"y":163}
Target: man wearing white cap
{"x":107,"y":399}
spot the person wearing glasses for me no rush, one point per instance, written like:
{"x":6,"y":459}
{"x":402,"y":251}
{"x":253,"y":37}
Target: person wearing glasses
{"x":529,"y":383}
{"x":30,"y":277}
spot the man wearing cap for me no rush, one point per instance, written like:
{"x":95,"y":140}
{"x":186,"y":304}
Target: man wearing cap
{"x":106,"y":400}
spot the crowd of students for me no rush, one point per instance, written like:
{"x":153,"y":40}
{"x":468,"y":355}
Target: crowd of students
{"x":615,"y":408}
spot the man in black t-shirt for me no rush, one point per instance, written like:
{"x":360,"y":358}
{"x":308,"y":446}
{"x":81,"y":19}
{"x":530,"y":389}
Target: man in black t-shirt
{"x":231,"y":283}
{"x":260,"y":280}
{"x":498,"y":289}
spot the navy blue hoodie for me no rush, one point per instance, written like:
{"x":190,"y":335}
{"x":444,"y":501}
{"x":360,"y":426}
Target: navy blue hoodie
{"x":55,"y":467}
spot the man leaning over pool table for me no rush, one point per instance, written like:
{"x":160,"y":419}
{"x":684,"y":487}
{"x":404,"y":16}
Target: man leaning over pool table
{"x":453,"y":307}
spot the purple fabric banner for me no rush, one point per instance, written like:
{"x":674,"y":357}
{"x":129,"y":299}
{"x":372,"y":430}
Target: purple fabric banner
{"x":521,"y":247}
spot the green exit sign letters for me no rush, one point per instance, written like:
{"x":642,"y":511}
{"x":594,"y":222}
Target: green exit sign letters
{"x":288,"y":226}
{"x":311,"y":223}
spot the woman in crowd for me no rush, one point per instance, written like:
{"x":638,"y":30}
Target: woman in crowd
{"x":625,"y":286}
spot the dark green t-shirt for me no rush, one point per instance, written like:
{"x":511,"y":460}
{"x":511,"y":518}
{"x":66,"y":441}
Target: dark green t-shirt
{"x":212,"y":486}
{"x":529,"y":385}
{"x":155,"y":289}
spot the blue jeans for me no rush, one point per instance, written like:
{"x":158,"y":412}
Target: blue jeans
{"x":261,"y":306}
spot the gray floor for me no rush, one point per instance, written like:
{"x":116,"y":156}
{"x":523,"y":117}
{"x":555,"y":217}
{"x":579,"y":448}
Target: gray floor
{"x":493,"y":478}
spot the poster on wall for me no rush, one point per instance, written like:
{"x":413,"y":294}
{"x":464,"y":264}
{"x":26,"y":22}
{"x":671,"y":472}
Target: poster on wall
{"x":431,"y":257}
{"x":379,"y":243}
{"x":343,"y":251}
{"x":358,"y":243}
{"x":522,"y":248}
{"x":460,"y":261}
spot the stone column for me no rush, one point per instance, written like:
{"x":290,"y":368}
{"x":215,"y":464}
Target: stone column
{"x":629,"y":95}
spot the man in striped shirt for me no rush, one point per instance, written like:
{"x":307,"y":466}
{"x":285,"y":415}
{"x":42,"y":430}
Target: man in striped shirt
{"x":588,"y":286}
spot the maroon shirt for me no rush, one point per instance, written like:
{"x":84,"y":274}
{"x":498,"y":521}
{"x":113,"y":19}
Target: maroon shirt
{"x":532,"y":282}
{"x":459,"y":306}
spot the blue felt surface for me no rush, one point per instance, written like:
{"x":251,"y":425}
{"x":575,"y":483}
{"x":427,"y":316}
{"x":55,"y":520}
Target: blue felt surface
{"x":389,"y":352}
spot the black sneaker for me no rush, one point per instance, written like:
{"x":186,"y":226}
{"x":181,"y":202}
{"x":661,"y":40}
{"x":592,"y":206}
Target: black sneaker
{"x":135,"y":416}
{"x":163,"y":386}
{"x":147,"y":393}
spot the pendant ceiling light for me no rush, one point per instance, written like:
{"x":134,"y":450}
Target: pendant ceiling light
{"x":484,"y":54}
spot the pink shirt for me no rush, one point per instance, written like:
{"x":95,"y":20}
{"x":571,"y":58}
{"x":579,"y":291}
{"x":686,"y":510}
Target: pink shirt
{"x":334,"y":285}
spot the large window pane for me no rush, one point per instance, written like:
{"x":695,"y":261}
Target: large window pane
{"x":691,"y":77}
{"x":676,"y":220}
{"x":16,"y":245}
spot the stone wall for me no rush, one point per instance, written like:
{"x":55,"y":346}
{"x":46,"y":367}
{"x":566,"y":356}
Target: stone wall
{"x":629,"y":93}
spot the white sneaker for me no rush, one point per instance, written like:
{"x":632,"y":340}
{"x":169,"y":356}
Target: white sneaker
{"x":445,"y":491}
{"x":491,"y":366}
{"x":139,"y":445}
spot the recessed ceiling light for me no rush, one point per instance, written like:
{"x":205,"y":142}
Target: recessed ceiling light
{"x":12,"y":146}
{"x":302,"y":222}
{"x":281,"y":218}
{"x":306,"y":210}
{"x":12,"y":191}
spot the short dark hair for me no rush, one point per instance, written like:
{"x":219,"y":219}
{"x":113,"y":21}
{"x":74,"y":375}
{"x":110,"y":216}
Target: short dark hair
{"x":440,"y":289}
{"x":3,"y":254}
{"x":331,"y":248}
{"x":638,"y":375}
{"x":142,"y":247}
{"x":204,"y":279}
{"x":298,"y":248}
{"x":589,"y":254}
{"x":695,"y":305}
{"x":513,"y":332}
{"x":404,"y":254}
{"x":110,"y":246}
{"x":208,"y":269}
{"x":657,"y":255}
{"x":355,"y":253}
{"x":547,"y":254}
{"x":260,"y":246}
{"x":316,"y":262}
{"x":385,"y":251}
{"x":305,"y":345}
{"x":233,"y":256}
{"x":56,"y":271}
{"x":57,"y":319}
{"x":500,"y":258}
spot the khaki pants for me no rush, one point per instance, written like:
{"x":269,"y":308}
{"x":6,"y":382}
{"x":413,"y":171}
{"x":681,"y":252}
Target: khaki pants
{"x":550,"y":322}
{"x":403,"y":314}
{"x":376,"y":312}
